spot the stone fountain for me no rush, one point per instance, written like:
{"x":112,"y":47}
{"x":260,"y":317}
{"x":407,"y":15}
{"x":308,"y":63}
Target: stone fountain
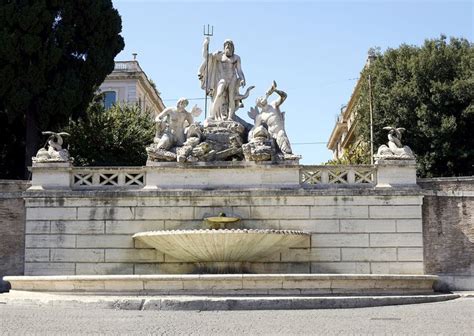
{"x":221,"y":250}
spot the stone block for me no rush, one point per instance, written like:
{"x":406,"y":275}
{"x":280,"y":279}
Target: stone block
{"x":77,"y":255}
{"x":124,"y":286}
{"x":132,"y":226}
{"x":396,"y":240}
{"x":310,"y":225}
{"x":367,"y":225}
{"x":181,"y":213}
{"x":51,"y":213}
{"x":103,"y":268}
{"x":281,"y":212}
{"x":49,"y":268}
{"x":278,"y":268}
{"x":78,"y":227}
{"x":397,"y":267}
{"x":202,"y":212}
{"x":396,"y":173}
{"x":117,"y":213}
{"x":340,"y":267}
{"x":37,"y":227}
{"x":264,"y":281}
{"x":339,"y":212}
{"x":133,"y":255}
{"x":369,"y":254}
{"x":52,"y":241}
{"x":182,"y":224}
{"x":174,"y":283}
{"x":164,"y":268}
{"x":346,"y":200}
{"x":50,"y":176}
{"x":399,"y":211}
{"x":314,"y":254}
{"x":105,"y":241}
{"x":410,"y":254}
{"x":270,"y":224}
{"x":409,"y":225}
{"x":340,"y":240}
{"x":36,"y":255}
{"x":213,"y":284}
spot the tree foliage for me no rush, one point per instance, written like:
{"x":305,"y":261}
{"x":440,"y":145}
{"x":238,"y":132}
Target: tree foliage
{"x":358,"y":153}
{"x":429,"y":91}
{"x":113,"y":137}
{"x":53,"y":55}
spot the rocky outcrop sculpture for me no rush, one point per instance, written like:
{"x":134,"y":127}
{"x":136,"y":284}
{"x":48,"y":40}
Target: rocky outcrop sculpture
{"x":394,"y":150}
{"x":54,"y":151}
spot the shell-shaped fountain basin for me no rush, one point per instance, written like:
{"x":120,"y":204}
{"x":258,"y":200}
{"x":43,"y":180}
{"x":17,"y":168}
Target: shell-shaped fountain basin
{"x":239,"y":245}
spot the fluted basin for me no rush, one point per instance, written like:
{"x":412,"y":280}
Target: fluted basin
{"x":239,"y":245}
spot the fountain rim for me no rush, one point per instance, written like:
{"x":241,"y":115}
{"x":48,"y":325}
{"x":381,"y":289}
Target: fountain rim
{"x":221,"y":231}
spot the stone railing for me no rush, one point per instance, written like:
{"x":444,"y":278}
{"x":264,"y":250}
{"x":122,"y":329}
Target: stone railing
{"x":360,"y":175}
{"x":126,"y":66}
{"x":240,"y":175}
{"x":99,"y":178}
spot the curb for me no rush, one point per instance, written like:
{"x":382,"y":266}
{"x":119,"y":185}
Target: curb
{"x":204,"y":303}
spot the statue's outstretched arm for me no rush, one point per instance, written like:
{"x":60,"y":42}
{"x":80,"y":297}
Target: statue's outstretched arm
{"x":282,"y":98}
{"x":205,"y":48}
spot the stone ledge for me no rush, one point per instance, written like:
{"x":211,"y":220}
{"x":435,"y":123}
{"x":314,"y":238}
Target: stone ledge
{"x":264,"y":284}
{"x":129,"y":301}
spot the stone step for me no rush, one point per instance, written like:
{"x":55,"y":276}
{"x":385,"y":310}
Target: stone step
{"x":230,"y":284}
{"x":202,"y":303}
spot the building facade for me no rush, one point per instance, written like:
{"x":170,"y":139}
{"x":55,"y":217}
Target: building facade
{"x":128,"y":84}
{"x":343,"y":136}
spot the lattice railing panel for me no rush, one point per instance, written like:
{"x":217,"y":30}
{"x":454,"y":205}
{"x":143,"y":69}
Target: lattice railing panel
{"x":107,"y":178}
{"x":337,"y":175}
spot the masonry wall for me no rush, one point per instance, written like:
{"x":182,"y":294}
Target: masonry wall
{"x":448,"y":221}
{"x":12,"y":227}
{"x":352,"y":230}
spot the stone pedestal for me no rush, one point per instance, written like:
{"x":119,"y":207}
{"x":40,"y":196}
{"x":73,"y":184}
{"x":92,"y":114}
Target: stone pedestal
{"x":51,"y":175}
{"x":396,"y":173}
{"x":221,"y":175}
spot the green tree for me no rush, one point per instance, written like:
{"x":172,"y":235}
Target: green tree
{"x":53,"y":56}
{"x":429,"y":91}
{"x":113,"y":137}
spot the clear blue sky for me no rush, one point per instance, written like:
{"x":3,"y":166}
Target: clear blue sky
{"x":315,"y":50}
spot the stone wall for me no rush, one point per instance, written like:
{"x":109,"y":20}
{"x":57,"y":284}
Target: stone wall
{"x":448,"y":222}
{"x":360,"y":230}
{"x":12,"y":227}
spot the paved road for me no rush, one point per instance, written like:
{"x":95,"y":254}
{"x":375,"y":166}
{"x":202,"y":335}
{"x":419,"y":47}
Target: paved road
{"x":454,"y":317}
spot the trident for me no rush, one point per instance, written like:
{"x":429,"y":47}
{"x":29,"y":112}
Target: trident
{"x":209,"y":32}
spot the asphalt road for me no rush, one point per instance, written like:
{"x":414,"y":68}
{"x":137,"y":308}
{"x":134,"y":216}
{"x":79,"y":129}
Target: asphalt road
{"x":455,"y":317}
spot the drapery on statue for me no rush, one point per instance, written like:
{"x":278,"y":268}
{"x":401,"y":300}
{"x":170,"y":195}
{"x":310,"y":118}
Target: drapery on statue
{"x":395,"y":149}
{"x":273,"y":120}
{"x":221,"y":74}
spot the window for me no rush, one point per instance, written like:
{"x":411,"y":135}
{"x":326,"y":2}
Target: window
{"x":110,"y":98}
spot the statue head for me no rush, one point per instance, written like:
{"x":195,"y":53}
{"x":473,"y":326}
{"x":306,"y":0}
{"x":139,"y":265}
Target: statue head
{"x":229,"y":48}
{"x":261,"y":101}
{"x":182,"y":103}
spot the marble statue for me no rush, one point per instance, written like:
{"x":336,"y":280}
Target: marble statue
{"x":221,"y":75}
{"x":223,"y":136}
{"x":54,"y":152}
{"x":395,"y":149}
{"x":172,"y":125}
{"x":272,"y":120}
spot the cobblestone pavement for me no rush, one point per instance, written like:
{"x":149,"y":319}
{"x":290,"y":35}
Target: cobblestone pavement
{"x":454,"y":317}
